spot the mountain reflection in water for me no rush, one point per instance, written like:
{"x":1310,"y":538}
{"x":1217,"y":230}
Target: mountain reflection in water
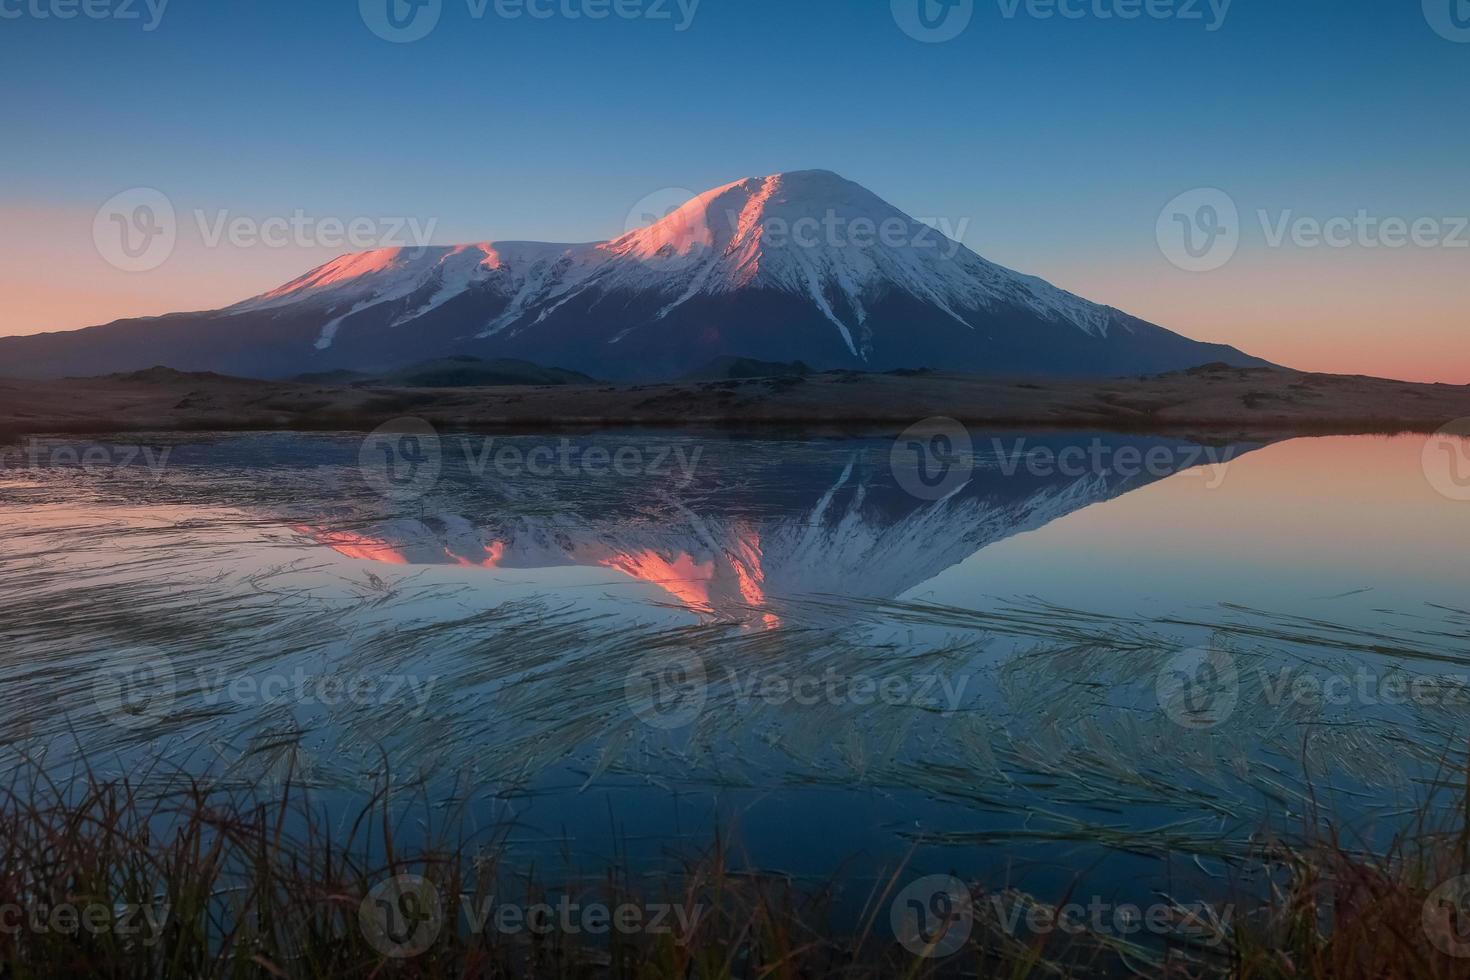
{"x":843,"y":529}
{"x":1028,"y":622}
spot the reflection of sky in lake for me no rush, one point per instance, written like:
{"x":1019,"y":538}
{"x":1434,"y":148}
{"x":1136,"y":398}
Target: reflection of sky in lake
{"x":1292,"y":526}
{"x":1051,"y":603}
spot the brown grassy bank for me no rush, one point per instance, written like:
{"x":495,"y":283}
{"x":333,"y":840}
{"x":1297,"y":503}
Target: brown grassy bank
{"x":1226,"y":402}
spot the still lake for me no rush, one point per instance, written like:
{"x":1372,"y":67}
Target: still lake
{"x":1065,"y":654}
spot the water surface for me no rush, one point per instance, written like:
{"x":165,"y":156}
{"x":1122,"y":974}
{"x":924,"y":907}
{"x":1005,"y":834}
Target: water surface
{"x":1037,"y":672}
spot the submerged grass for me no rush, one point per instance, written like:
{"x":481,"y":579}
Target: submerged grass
{"x":1058,"y":722}
{"x":1333,"y":824}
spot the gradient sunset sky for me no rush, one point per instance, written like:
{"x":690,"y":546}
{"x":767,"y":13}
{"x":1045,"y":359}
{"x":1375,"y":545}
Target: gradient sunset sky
{"x":1056,"y":141}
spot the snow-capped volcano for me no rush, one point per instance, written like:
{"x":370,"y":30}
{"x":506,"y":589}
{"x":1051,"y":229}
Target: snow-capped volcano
{"x":795,"y":266}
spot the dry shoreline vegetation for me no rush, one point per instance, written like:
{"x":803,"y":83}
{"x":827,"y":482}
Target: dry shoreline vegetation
{"x":1215,"y":398}
{"x":194,"y":881}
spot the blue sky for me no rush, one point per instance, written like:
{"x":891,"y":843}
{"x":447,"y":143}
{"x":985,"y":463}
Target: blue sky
{"x":1058,"y":140}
